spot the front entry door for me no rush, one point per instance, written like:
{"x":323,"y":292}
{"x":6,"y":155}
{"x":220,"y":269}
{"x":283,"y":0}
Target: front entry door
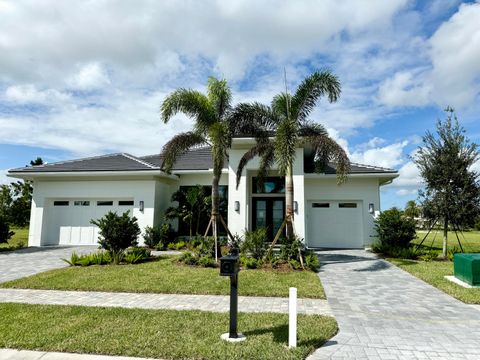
{"x":268,"y":213}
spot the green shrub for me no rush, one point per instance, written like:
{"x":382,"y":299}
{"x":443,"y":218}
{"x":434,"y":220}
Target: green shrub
{"x":255,"y":243}
{"x":452,"y":252}
{"x":291,"y":249}
{"x":394,"y":229}
{"x":96,"y":258}
{"x":171,"y":246}
{"x":188,"y":258}
{"x":396,"y":252}
{"x":5,"y":233}
{"x":250,"y":263}
{"x":294,"y":264}
{"x":137,"y":255}
{"x":180,"y":245}
{"x":206,"y":247}
{"x":117,"y":233}
{"x":312,"y":262}
{"x":429,"y":255}
{"x":207,"y":261}
{"x":157,"y":237}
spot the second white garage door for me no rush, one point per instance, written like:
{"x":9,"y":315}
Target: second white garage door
{"x":335,"y":224}
{"x":69,"y":219}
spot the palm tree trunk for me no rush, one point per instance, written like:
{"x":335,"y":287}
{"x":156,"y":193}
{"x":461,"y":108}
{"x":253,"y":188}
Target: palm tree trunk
{"x":215,"y":206}
{"x":289,"y":201}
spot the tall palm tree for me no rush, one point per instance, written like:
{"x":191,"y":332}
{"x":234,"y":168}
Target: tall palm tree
{"x":283,"y":126}
{"x":211,"y":128}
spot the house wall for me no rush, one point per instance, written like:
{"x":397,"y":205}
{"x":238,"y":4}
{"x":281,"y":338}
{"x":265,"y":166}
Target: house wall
{"x":164,"y":188}
{"x":139,"y":190}
{"x":365,"y":190}
{"x":240,"y":220}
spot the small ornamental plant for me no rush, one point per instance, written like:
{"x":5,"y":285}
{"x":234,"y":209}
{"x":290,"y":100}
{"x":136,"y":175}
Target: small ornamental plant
{"x":117,"y":233}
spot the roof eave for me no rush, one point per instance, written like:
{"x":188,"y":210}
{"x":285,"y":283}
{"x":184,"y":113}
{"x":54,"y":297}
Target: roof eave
{"x":30,"y":175}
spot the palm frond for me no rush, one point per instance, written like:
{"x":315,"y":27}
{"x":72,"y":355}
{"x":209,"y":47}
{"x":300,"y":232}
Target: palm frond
{"x":191,"y":103}
{"x":320,"y":83}
{"x":266,"y":162}
{"x":312,"y":129}
{"x":219,"y":95}
{"x":328,"y":150}
{"x":178,"y":145}
{"x":252,"y":119}
{"x":285,"y":143}
{"x":281,"y":104}
{"x":259,"y":149}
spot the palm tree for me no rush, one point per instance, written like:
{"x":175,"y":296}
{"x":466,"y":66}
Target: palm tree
{"x":211,"y":128}
{"x":283,"y":126}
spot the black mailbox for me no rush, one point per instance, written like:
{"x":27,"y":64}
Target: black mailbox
{"x":229,"y":265}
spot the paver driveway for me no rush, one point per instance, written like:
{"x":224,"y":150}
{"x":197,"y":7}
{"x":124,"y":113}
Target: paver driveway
{"x":386,"y":313}
{"x":29,"y":261}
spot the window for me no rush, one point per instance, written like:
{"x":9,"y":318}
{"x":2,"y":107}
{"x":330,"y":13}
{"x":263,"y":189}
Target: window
{"x":271,"y":185}
{"x":81,"y":203}
{"x":104,"y":203}
{"x":347,"y":205}
{"x":60,"y":203}
{"x":125,"y":203}
{"x":320,"y":205}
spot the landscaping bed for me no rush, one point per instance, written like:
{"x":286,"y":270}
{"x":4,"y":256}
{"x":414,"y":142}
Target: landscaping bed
{"x":165,"y":275}
{"x":157,"y":333}
{"x":433,"y":272}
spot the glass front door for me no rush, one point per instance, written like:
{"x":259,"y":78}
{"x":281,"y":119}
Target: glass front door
{"x":268,"y":213}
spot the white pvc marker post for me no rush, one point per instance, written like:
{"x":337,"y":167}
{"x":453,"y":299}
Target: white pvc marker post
{"x":292,"y":317}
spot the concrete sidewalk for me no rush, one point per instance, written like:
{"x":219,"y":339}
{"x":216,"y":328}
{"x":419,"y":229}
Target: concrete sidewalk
{"x":10,"y":354}
{"x":216,"y":303}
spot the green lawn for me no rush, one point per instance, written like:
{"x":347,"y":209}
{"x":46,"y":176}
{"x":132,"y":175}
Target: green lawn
{"x":433,"y":272}
{"x":157,"y":333}
{"x":19,"y":240}
{"x":165,"y":276}
{"x":470,"y":240}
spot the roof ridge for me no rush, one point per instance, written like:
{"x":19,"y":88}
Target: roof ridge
{"x":190,"y":150}
{"x":134,"y":158}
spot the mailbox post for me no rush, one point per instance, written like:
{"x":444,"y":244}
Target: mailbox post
{"x":229,"y":266}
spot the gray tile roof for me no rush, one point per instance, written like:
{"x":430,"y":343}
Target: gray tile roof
{"x":196,"y":159}
{"x":112,"y":162}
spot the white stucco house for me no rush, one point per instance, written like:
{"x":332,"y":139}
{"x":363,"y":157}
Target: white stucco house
{"x":68,"y":194}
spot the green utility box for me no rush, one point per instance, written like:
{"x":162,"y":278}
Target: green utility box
{"x":466,"y":267}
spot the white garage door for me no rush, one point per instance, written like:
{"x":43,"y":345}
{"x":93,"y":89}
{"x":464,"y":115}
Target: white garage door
{"x":68,"y":220}
{"x":335,"y":224}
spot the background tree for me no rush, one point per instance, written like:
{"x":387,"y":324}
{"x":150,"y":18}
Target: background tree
{"x":16,"y":200}
{"x":411,"y":209}
{"x":287,"y":120}
{"x":451,"y":194}
{"x":211,"y":128}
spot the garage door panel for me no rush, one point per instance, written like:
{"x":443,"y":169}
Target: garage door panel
{"x":335,"y":224}
{"x":69,"y":220}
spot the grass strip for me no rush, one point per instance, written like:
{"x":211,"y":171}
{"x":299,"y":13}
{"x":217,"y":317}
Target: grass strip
{"x":167,"y":334}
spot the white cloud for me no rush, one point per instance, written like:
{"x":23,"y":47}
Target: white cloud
{"x":388,"y":156}
{"x":90,"y":76}
{"x":25,"y":94}
{"x":450,"y":74}
{"x":406,"y":192}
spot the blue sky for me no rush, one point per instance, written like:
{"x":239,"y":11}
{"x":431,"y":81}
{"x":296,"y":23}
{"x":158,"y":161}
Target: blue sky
{"x":87,"y":78}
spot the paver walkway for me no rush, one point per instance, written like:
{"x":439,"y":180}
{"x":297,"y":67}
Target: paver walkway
{"x":217,"y":303}
{"x":386,"y":313}
{"x":25,"y":262}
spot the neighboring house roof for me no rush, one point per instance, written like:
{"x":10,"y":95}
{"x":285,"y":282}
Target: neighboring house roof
{"x":196,"y":159}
